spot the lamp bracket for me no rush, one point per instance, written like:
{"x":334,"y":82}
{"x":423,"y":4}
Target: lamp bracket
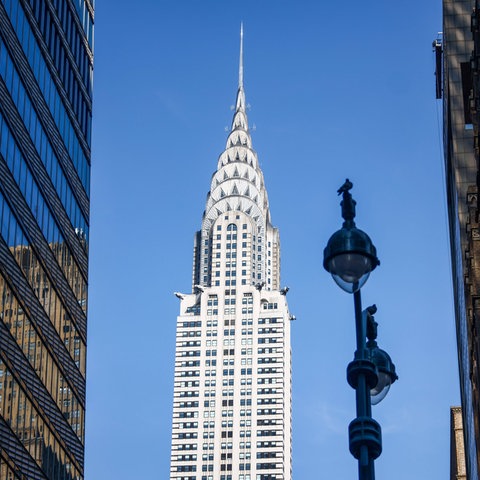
{"x":365,"y":432}
{"x":359,"y":367}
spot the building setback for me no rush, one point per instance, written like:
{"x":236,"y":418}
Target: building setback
{"x":46,"y":67}
{"x":232,"y":392}
{"x":460,"y":91}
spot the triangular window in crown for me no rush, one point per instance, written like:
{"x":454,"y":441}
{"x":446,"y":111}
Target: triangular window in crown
{"x":247,"y":192}
{"x":235,"y":173}
{"x":248,"y":211}
{"x":235,"y":189}
{"x":222,"y":193}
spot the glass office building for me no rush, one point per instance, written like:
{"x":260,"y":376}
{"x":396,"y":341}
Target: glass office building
{"x":46,"y":70}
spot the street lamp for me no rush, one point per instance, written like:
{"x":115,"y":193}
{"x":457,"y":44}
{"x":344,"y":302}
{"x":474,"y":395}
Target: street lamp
{"x":349,"y":257}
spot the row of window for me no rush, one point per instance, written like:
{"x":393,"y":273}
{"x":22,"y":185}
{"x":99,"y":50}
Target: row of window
{"x":227,"y":434}
{"x":196,"y":333}
{"x":186,"y":458}
{"x":188,"y":404}
{"x":269,"y":330}
{"x":269,"y":391}
{"x":192,"y":324}
{"x":189,"y":353}
{"x":227,"y":322}
{"x":211,"y":404}
{"x":190,"y":373}
{"x":229,"y":342}
{"x":191,"y":414}
{"x":234,"y":274}
{"x":243,"y":392}
{"x":185,"y":446}
{"x":263,"y":351}
{"x":247,"y":299}
{"x":234,"y":235}
{"x":227,"y":477}
{"x":189,"y":363}
{"x":214,"y":311}
{"x":191,"y":343}
{"x":233,"y":246}
{"x":186,"y":468}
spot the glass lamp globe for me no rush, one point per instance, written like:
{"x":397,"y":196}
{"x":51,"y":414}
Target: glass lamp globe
{"x":350,"y":270}
{"x":379,"y":392}
{"x":385,"y":371}
{"x":349,"y":257}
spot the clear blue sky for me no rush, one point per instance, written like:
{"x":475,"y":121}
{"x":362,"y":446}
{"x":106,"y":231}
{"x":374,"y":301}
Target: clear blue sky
{"x":337,"y":89}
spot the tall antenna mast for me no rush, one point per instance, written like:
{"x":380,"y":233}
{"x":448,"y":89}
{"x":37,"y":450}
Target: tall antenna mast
{"x":240,"y":68}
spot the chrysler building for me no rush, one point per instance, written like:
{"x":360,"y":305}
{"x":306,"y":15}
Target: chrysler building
{"x":232,"y":392}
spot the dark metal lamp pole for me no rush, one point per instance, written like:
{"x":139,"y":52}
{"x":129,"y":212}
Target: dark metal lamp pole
{"x":350,"y":256}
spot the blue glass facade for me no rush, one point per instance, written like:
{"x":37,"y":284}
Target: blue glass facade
{"x":460,"y":140}
{"x":46,"y":75}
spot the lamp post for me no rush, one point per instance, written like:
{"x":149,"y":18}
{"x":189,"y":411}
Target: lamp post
{"x":350,"y":256}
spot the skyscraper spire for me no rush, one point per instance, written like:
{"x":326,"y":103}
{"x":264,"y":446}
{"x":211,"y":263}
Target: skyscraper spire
{"x":240,"y":67}
{"x":238,"y":185}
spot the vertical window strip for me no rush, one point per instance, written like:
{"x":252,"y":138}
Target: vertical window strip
{"x":40,"y":283}
{"x":45,"y":220}
{"x":27,"y":338}
{"x":73,"y":37}
{"x":85,"y":19}
{"x":32,"y":430}
{"x":42,"y":144}
{"x":49,"y":90}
